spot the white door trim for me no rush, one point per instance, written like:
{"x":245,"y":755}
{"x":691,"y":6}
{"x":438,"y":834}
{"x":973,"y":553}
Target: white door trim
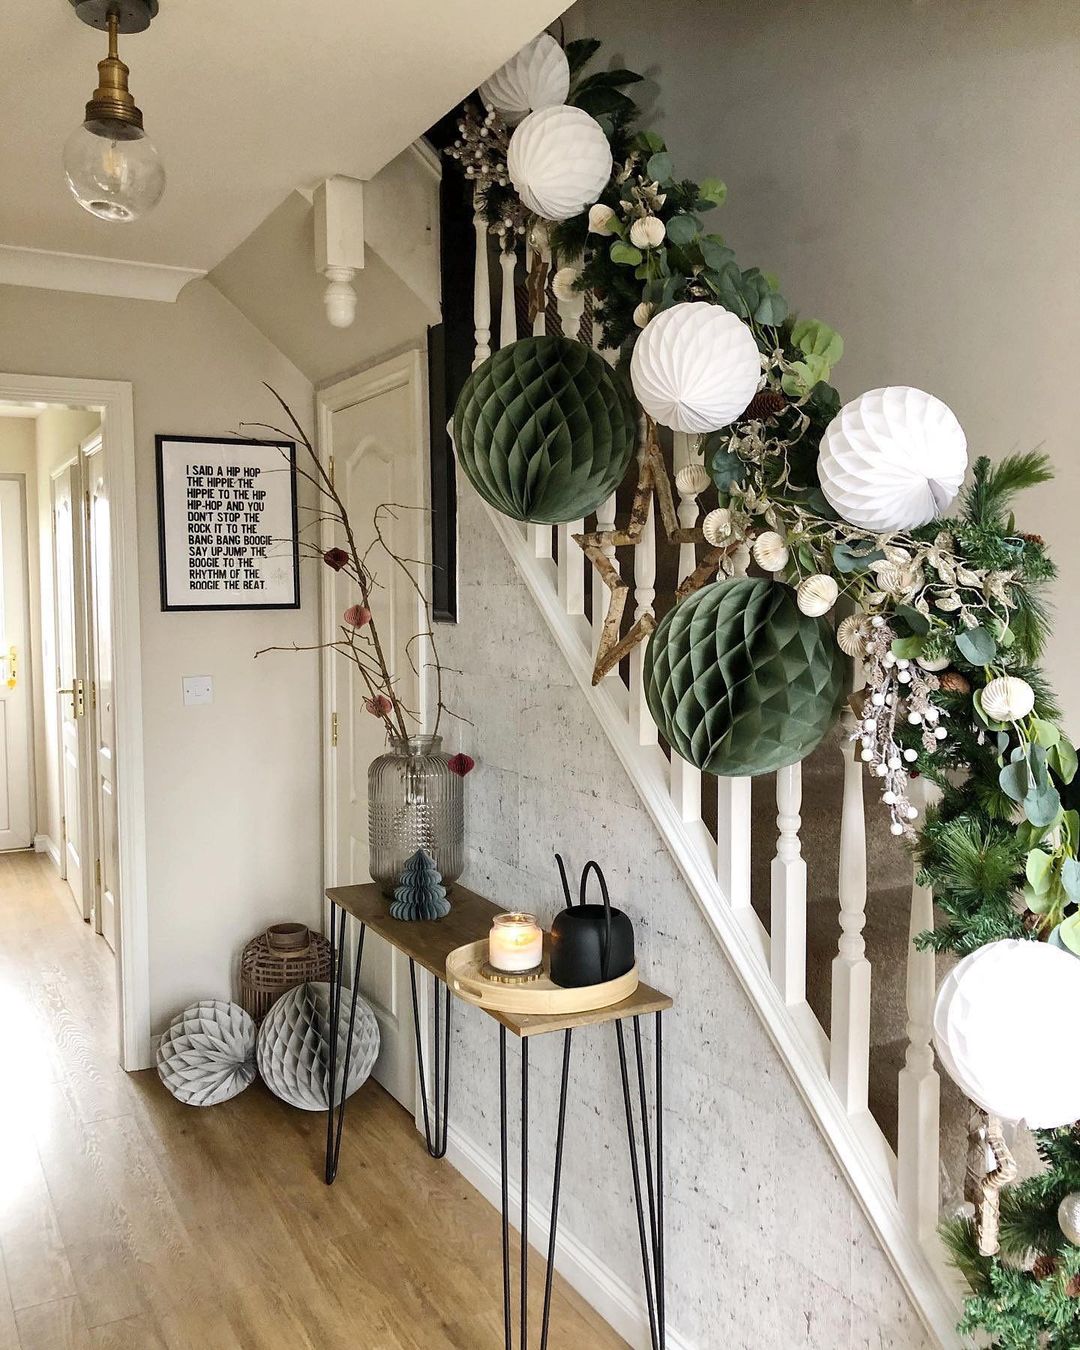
{"x":113,"y":399}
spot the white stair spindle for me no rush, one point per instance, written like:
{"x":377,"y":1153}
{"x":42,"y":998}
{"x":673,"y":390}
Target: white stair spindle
{"x":685,"y":778}
{"x":644,"y":595}
{"x":481,"y":290}
{"x":507,"y":300}
{"x":733,"y":840}
{"x":919,"y":1098}
{"x":850,"y":1023}
{"x":788,"y":890}
{"x":539,"y":535}
{"x":572,"y":561}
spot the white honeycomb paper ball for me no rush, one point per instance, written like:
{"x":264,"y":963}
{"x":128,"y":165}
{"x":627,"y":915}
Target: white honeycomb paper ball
{"x":695,"y":367}
{"x":538,"y":76}
{"x":559,"y":161}
{"x":892,"y":459}
{"x":294,"y":1046}
{"x":984,"y":1017}
{"x":208,"y":1053}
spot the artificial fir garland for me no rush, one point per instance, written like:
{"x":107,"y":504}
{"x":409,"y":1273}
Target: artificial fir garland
{"x":940,"y":613}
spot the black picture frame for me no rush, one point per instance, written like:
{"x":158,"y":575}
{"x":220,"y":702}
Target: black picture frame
{"x":170,"y":584}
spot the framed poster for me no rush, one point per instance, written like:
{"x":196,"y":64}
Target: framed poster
{"x":227,"y":523}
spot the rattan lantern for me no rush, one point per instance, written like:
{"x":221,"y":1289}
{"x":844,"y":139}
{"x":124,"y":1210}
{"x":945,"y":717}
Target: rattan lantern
{"x":286,"y":955}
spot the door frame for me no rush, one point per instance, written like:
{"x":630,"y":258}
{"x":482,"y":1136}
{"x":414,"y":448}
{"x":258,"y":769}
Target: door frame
{"x":404,"y":370}
{"x":113,"y":399}
{"x":30,"y":653}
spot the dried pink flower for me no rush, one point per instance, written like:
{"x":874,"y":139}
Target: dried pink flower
{"x":356,"y":616}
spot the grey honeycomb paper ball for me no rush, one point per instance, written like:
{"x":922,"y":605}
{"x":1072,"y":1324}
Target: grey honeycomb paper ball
{"x":207,"y":1055}
{"x":545,"y":430}
{"x":739,"y":681}
{"x":294,"y":1046}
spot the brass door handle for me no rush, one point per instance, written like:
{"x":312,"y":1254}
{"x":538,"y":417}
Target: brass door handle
{"x":78,"y":701}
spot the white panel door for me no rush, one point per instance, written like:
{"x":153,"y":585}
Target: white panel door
{"x":102,"y":717}
{"x":376,"y":444}
{"x":15,"y":826}
{"x":76,"y":866}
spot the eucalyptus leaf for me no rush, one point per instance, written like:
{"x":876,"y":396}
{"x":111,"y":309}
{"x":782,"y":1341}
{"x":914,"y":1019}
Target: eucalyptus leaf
{"x":1038,"y":870}
{"x":622,"y":252}
{"x":1062,"y":759}
{"x":715,"y":254}
{"x":914,"y":618}
{"x":817,"y":339}
{"x":1043,"y":806}
{"x":1038,"y":904}
{"x":847,"y":559}
{"x":977,"y":646}
{"x":908,"y":648}
{"x":682,"y":229}
{"x":713,"y":191}
{"x":1015,"y":781}
{"x":772,"y":310}
{"x":1070,"y":879}
{"x":1069,"y":932}
{"x":1045,"y":733}
{"x":727,"y":470}
{"x":660,"y":166}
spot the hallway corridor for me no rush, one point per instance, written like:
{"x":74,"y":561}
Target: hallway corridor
{"x":130,"y":1222}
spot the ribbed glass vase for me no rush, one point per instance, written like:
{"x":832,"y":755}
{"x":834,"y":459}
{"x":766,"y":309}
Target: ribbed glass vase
{"x":414,"y":801}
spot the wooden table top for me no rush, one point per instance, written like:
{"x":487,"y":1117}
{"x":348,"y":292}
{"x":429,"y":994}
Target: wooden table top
{"x":469,"y":920}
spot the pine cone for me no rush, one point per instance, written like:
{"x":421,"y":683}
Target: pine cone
{"x":766,"y":403}
{"x":1034,"y":539}
{"x":1044,"y":1266}
{"x":954,"y":683}
{"x":1072,"y":1289}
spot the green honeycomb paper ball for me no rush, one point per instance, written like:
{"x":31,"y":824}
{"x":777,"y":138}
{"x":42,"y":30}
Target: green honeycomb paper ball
{"x":739,"y":681}
{"x":545,"y":430}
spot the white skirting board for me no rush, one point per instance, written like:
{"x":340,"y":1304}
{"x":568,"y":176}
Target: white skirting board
{"x":620,"y":1306}
{"x":43,"y":844}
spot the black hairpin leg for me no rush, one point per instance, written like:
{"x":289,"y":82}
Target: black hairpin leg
{"x":436,"y":1141}
{"x":335,"y":1118}
{"x":523,"y":1268}
{"x":650,"y":1233}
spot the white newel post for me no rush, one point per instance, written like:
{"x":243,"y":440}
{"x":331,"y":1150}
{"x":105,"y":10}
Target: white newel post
{"x":572,"y":560}
{"x":539,"y":535}
{"x":788,"y":890}
{"x":850,"y":1033}
{"x":481,"y":291}
{"x":644,"y":596}
{"x":918,"y":1137}
{"x":507,"y":300}
{"x":685,"y":778}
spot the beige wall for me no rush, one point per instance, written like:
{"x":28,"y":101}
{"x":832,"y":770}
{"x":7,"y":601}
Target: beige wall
{"x":907,"y":169}
{"x":232,"y":790}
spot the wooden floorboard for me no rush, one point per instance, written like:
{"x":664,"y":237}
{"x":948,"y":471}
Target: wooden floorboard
{"x":130,"y":1222}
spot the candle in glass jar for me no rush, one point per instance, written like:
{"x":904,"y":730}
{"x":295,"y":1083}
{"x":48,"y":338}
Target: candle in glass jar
{"x":515,"y":943}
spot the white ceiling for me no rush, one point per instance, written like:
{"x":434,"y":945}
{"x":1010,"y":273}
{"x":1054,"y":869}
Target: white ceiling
{"x":245,"y":99}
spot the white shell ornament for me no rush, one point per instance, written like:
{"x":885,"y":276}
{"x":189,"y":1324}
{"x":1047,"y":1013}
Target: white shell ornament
{"x":695,"y":368}
{"x":892,"y":459}
{"x":559,"y":160}
{"x":985,"y":1009}
{"x":851,"y":634}
{"x":933,"y":664}
{"x":816,"y":594}
{"x":770,"y":552}
{"x":1068,"y":1217}
{"x":538,"y":76}
{"x":716,"y":527}
{"x":1007,"y":699}
{"x":692,"y":480}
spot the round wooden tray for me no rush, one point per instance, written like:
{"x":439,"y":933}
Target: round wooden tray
{"x":464,"y":976}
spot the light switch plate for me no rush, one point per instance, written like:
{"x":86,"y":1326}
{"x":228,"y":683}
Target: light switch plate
{"x":198,"y":689}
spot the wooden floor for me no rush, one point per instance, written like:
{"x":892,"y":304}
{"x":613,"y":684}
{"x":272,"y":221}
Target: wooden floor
{"x":130,"y":1222}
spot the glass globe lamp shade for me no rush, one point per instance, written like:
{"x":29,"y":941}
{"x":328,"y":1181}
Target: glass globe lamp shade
{"x":113,"y":170}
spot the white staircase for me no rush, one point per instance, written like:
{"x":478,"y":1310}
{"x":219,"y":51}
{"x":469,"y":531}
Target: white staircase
{"x":830,"y":1066}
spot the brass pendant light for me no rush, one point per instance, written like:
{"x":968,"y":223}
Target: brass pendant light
{"x":111,"y":166}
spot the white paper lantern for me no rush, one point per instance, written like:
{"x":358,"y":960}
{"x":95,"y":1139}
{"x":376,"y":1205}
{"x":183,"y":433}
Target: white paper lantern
{"x":294,"y":1046}
{"x":559,"y":160}
{"x":695,"y":367}
{"x":207,"y":1055}
{"x":1008,"y":699}
{"x":1004,"y":1028}
{"x":892,"y":459}
{"x":538,"y":76}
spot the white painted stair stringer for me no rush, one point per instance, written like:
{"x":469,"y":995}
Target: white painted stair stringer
{"x":856,"y":1141}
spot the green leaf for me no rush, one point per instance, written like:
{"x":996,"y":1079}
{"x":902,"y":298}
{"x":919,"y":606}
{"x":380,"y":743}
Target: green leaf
{"x":715,"y":254}
{"x":1070,"y":880}
{"x":1062,"y":759}
{"x":713,"y":191}
{"x":610,"y":79}
{"x":1069,"y":930}
{"x":1038,"y":869}
{"x":660,"y":166}
{"x":648,"y":140}
{"x":727,"y":470}
{"x":1015,"y":780}
{"x":599,"y":100}
{"x":908,"y":648}
{"x":977,"y":646}
{"x":1043,"y":806}
{"x":1045,"y":733}
{"x":1038,"y":904}
{"x":814,"y":338}
{"x":622,"y":252}
{"x":682,"y":229}
{"x":580,"y":52}
{"x":846,"y":559}
{"x":915,"y":619}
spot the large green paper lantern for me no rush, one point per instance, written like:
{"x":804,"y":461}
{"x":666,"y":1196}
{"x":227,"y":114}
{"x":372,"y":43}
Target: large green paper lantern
{"x":739,"y":681}
{"x":545,"y":430}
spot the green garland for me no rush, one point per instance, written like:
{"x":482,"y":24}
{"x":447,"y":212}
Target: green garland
{"x":1000,"y":848}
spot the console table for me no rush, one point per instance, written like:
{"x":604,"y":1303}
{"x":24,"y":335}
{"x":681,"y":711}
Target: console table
{"x":428,"y":945}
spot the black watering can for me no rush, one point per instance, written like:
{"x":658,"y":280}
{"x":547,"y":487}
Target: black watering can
{"x":589,"y":943}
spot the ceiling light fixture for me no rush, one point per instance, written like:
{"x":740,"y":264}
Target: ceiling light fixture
{"x":111,"y":165}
